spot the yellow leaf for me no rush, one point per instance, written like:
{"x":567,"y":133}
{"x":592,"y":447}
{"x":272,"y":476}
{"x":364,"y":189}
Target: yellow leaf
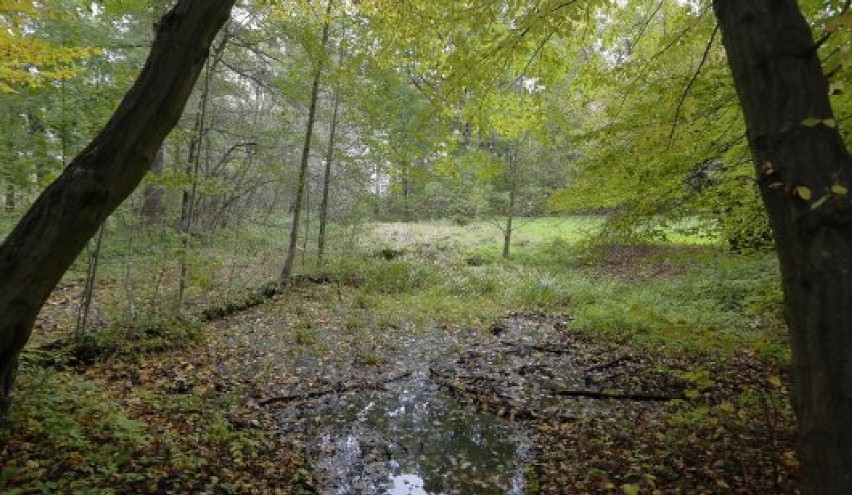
{"x":775,"y":380}
{"x":804,"y":192}
{"x":811,"y":122}
{"x":839,"y":190}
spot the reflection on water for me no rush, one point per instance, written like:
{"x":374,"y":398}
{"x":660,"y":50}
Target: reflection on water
{"x":406,"y":484}
{"x":414,"y":439}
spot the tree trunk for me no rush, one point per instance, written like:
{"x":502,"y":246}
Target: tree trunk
{"x":85,"y":306}
{"x":49,"y":237}
{"x":10,"y":194}
{"x":307,"y":201}
{"x":10,"y":145}
{"x":803,"y":174}
{"x":193,"y":164}
{"x":152,"y":195}
{"x":326,"y":179}
{"x":287,"y":271}
{"x":510,"y":215}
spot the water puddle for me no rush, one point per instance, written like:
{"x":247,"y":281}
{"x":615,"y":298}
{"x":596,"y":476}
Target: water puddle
{"x":412,"y":438}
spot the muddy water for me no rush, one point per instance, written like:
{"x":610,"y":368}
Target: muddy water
{"x":409,"y":437}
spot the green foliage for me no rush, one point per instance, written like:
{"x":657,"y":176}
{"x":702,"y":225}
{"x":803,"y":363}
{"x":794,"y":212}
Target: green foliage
{"x":69,"y":436}
{"x":706,"y":306}
{"x":745,"y":226}
{"x":140,"y":335}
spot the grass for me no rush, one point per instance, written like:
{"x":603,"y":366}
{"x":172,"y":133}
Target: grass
{"x":691,"y":296}
{"x":683,"y":291}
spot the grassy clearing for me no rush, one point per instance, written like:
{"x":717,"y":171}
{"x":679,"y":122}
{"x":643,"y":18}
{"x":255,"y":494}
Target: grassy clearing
{"x":671,"y":297}
{"x":692,"y":295}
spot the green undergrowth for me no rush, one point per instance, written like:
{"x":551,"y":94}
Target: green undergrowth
{"x":153,"y":433}
{"x":715,"y":303}
{"x":123,"y":339}
{"x":63,"y":435}
{"x":664,"y":297}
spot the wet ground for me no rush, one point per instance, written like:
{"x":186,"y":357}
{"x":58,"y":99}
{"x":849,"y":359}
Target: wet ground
{"x":432,"y":410}
{"x":371,"y":415}
{"x":517,"y":406}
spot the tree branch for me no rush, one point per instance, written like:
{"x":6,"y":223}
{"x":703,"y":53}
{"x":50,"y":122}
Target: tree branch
{"x":692,"y":80}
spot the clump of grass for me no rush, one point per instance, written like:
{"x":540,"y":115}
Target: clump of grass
{"x":542,"y":291}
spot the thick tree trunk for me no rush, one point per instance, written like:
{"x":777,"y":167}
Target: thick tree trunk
{"x":326,"y":179}
{"x":803,"y":171}
{"x":65,"y":216}
{"x":287,"y":271}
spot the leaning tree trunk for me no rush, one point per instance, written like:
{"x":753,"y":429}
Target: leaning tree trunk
{"x":65,"y":216}
{"x":804,"y":173}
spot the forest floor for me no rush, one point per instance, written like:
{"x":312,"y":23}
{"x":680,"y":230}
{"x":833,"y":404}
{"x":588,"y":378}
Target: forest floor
{"x":379,"y":377}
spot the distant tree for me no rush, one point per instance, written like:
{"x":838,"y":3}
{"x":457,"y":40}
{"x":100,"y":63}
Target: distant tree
{"x":66,"y":215}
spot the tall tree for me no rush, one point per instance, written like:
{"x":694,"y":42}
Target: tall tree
{"x":326,"y":178}
{"x":287,"y":271}
{"x":804,"y":175}
{"x":52,"y":233}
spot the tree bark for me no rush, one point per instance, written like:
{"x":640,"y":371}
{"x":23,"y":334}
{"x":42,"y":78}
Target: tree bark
{"x":802,"y":170}
{"x":287,"y":271}
{"x":49,"y":237}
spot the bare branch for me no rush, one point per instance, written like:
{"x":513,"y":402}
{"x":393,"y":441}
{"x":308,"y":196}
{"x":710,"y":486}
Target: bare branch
{"x":692,"y":80}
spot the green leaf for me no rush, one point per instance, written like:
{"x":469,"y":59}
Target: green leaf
{"x":804,"y":192}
